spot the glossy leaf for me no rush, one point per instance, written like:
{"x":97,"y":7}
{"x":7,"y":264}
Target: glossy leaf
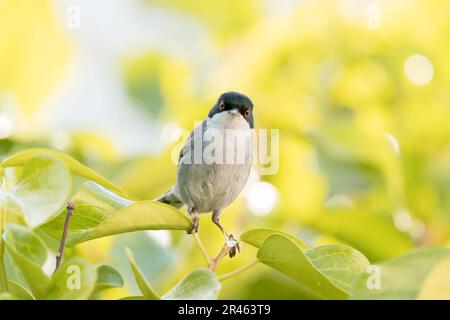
{"x":419,"y":274}
{"x":146,"y":290}
{"x":77,"y":168}
{"x":107,"y":278}
{"x":327,"y":272}
{"x":42,"y":190}
{"x":281,"y":288}
{"x":256,"y":237}
{"x":28,"y":254}
{"x":100,"y":213}
{"x":18,"y":291}
{"x":339,"y":263}
{"x":155,"y":260}
{"x":201,"y":284}
{"x":74,"y":280}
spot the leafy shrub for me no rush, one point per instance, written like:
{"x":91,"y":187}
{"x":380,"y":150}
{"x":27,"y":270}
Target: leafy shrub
{"x":33,"y":211}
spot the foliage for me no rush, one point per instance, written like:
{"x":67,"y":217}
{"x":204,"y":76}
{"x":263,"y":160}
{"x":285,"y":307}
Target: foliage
{"x":363,"y":177}
{"x":332,"y":271}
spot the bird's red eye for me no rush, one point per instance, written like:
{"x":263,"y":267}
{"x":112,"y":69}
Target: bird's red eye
{"x":221,"y":106}
{"x":247,"y":113}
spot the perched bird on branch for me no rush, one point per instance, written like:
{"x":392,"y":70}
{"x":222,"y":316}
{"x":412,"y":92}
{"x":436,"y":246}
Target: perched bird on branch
{"x":214,"y":164}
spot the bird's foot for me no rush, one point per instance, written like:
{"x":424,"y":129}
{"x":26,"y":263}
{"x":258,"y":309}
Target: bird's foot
{"x":195,"y":224}
{"x":233,"y":244}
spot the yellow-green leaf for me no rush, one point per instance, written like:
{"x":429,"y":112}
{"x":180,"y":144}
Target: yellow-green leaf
{"x":77,"y":168}
{"x":146,"y":290}
{"x":42,"y":190}
{"x":18,"y":291}
{"x":256,"y":237}
{"x":341,"y":264}
{"x":201,"y":284}
{"x":419,"y":274}
{"x":100,"y":213}
{"x":29,"y":254}
{"x":74,"y":280}
{"x":107,"y":277}
{"x":326,"y":272}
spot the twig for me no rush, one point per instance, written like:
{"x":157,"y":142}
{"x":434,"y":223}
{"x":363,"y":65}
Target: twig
{"x":229,"y":246}
{"x":238,"y":271}
{"x":202,"y":248}
{"x":59,"y":255}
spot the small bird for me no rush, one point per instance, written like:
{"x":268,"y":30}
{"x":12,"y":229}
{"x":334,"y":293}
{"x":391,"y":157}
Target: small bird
{"x":215,"y":162}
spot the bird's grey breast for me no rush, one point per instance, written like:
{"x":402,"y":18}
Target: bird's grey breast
{"x":215,"y":163}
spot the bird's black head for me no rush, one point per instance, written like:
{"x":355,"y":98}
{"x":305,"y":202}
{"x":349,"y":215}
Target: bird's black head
{"x":234,"y":100}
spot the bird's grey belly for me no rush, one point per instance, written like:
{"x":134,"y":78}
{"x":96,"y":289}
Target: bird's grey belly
{"x":208,"y":187}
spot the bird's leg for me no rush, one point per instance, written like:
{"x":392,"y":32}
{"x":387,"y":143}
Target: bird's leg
{"x":193,"y":214}
{"x":215,"y":219}
{"x":229,"y":239}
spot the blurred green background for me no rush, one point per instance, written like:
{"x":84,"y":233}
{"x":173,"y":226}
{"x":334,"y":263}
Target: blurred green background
{"x":358,"y":90}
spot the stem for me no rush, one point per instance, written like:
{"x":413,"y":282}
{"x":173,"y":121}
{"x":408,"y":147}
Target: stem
{"x":3,"y":279}
{"x":226,"y":250}
{"x":222,"y":254}
{"x":202,"y":248}
{"x":59,"y":255}
{"x":238,"y":271}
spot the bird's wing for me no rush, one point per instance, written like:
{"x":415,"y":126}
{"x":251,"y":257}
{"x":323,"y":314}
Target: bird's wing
{"x":171,"y":197}
{"x":195,"y":138}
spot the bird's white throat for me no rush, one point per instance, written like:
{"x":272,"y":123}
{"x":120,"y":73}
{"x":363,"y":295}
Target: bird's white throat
{"x":228,"y":120}
{"x":230,"y":139}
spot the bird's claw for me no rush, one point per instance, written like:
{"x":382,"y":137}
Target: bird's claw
{"x":233,"y":244}
{"x":194,"y":229}
{"x":232,"y":252}
{"x":195,"y":224}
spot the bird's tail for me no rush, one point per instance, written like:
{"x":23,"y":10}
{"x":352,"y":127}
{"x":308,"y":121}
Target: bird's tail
{"x":171,"y":198}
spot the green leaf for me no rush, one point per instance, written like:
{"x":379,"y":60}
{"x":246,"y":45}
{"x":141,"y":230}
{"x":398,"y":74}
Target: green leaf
{"x":107,"y":278}
{"x":18,"y":291}
{"x":133,"y":298}
{"x":256,"y":237}
{"x":419,"y":274}
{"x":74,"y":280}
{"x":100,"y":213}
{"x":28,"y":254}
{"x":42,"y":190}
{"x":153,"y":259}
{"x":146,"y":290}
{"x":13,"y":271}
{"x":327,"y":272}
{"x":21,"y":158}
{"x":201,"y":284}
{"x":281,"y":288}
{"x":339,"y":263}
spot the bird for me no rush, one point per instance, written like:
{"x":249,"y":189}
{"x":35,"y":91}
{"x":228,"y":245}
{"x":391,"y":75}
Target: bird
{"x":215,"y":162}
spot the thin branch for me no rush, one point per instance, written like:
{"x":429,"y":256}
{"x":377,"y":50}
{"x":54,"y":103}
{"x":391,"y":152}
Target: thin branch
{"x":237,"y":271}
{"x":202,"y":248}
{"x":229,"y":247}
{"x":59,"y":255}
